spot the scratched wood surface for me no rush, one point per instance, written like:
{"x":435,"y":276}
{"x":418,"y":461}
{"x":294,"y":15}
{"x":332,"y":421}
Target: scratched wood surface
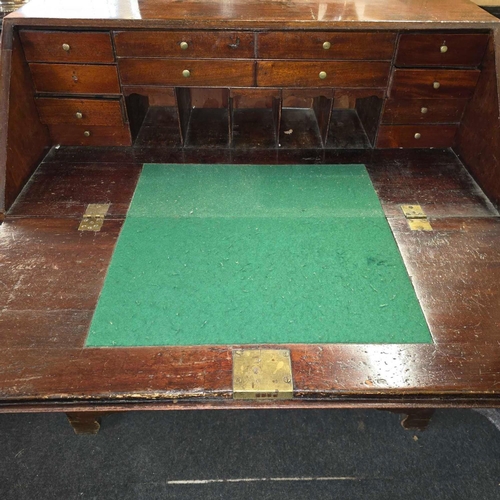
{"x":52,"y":275}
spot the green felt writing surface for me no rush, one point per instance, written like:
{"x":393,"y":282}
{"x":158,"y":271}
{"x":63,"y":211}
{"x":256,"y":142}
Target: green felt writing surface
{"x":225,"y":254}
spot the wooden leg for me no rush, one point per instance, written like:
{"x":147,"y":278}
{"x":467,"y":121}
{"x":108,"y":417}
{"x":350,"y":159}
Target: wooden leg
{"x":85,"y":422}
{"x":415,"y":419}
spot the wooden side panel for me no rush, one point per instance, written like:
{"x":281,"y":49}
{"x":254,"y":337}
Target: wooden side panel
{"x":478,"y":138}
{"x":23,"y":139}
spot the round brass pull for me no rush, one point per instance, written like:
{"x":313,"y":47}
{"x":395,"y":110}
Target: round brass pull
{"x":184,"y":45}
{"x":443,"y":49}
{"x":87,"y":133}
{"x":326,"y":45}
{"x":423,"y":110}
{"x":66,"y":47}
{"x":79,"y":115}
{"x":417,"y":135}
{"x":186,"y":73}
{"x":436,"y":85}
{"x":322,"y":74}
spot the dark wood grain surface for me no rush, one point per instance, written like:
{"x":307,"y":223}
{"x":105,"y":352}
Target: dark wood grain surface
{"x":47,"y":46}
{"x":53,"y":275}
{"x":343,"y":45}
{"x":75,"y":78}
{"x":148,"y":71}
{"x":200,"y":44}
{"x":350,"y":14}
{"x":416,"y":136}
{"x":418,"y":83}
{"x":338,"y":74}
{"x":423,"y":110}
{"x":54,"y":111}
{"x":424,"y":49}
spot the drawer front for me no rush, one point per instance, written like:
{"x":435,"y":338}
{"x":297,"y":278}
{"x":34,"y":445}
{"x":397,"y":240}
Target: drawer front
{"x":75,"y":78}
{"x":322,"y":74}
{"x":416,"y":136}
{"x":80,"y":112}
{"x":90,"y":136}
{"x":61,"y":46}
{"x":325,"y":45}
{"x":422,"y":49}
{"x":184,"y":45}
{"x":429,"y":83}
{"x":190,"y":72}
{"x":423,"y":110}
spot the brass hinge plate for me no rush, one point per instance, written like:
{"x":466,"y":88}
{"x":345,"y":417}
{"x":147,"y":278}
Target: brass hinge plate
{"x":262,"y":374}
{"x":93,"y":218}
{"x":416,"y":218}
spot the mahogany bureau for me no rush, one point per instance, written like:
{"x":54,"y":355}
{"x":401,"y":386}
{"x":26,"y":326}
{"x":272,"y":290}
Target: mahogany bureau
{"x":91,"y":91}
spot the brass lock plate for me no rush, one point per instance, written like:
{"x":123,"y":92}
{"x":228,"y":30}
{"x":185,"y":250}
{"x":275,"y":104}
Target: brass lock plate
{"x":262,"y":374}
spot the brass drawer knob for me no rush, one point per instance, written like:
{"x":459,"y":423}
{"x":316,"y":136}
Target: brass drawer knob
{"x":322,"y":74}
{"x":184,"y":45}
{"x":443,"y":49}
{"x":87,"y":133}
{"x":326,"y":45}
{"x":423,"y":110}
{"x":436,"y":85}
{"x":66,"y":47}
{"x":79,"y":115}
{"x":417,"y":135}
{"x":186,"y":73}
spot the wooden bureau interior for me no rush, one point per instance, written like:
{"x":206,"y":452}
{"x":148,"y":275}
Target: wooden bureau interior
{"x":401,"y":85}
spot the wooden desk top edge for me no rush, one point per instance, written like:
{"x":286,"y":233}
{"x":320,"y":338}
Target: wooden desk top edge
{"x":255,"y":14}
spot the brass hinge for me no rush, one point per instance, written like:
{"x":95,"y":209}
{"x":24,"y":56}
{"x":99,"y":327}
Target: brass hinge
{"x":262,"y":374}
{"x":416,"y":218}
{"x":93,"y":218}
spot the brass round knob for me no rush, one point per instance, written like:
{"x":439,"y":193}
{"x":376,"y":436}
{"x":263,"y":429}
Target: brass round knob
{"x":322,"y":74}
{"x":436,"y":85}
{"x":417,"y":136}
{"x":184,"y":45}
{"x":443,"y":49}
{"x":186,"y":73}
{"x":87,"y":133}
{"x":423,"y":110}
{"x":79,"y":115}
{"x":326,"y":45}
{"x":66,"y":47}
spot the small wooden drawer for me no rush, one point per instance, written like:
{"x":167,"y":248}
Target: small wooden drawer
{"x":423,"y":110}
{"x":183,"y":45}
{"x":190,"y":72}
{"x":416,"y":136}
{"x":67,"y":46}
{"x":80,"y":112}
{"x":434,"y":83}
{"x":75,"y":78}
{"x":425,"y":49}
{"x":322,"y":74}
{"x":326,"y":45}
{"x":90,"y":136}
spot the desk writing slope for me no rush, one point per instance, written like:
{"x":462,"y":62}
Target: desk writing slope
{"x":224,"y":254}
{"x":221,"y":98}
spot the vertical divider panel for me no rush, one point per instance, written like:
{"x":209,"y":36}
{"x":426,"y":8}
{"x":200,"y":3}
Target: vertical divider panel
{"x":183,"y":102}
{"x":277,"y":107}
{"x":322,"y":107}
{"x":230,"y":118}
